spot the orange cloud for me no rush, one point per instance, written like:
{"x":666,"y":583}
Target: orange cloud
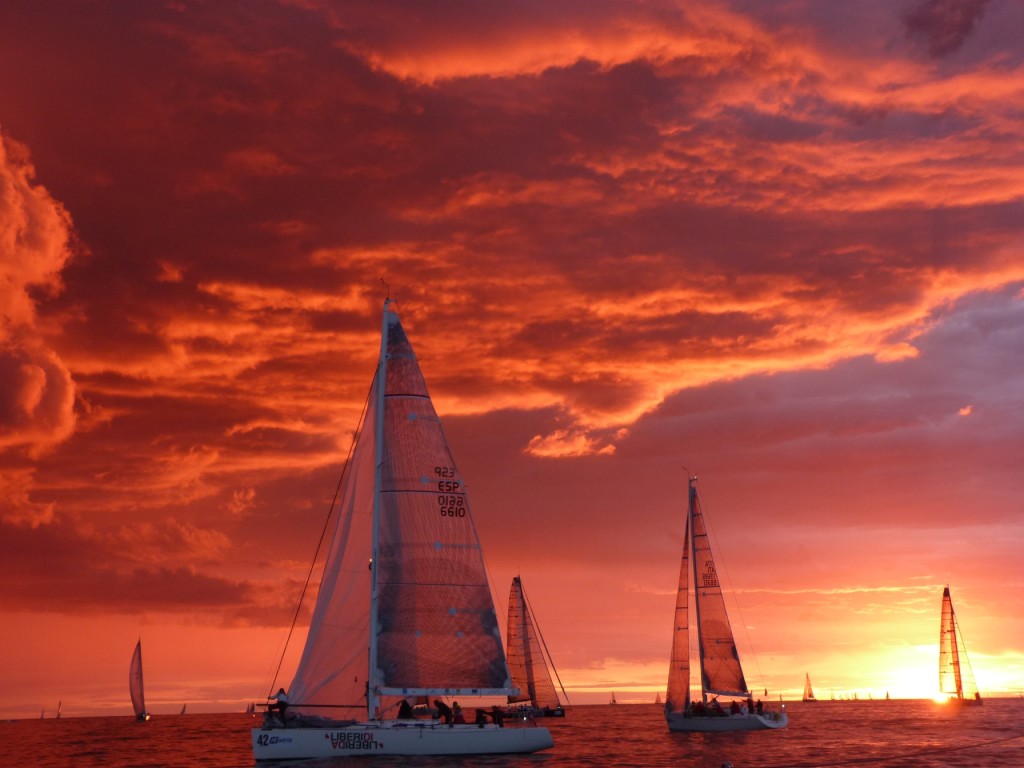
{"x":782,"y":248}
{"x":36,"y":389}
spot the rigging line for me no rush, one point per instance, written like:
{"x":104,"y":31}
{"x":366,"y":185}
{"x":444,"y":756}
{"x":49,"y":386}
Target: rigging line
{"x":962,"y":650}
{"x":323,"y":534}
{"x":536,"y":625}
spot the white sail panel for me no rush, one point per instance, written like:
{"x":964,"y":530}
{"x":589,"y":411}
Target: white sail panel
{"x":720,"y":661}
{"x":333,"y":670}
{"x":678,"y":695}
{"x":436,"y":625}
{"x":526,"y":661}
{"x":949,"y":654}
{"x":135,"y":687}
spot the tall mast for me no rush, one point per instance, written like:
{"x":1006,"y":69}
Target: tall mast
{"x":696,"y":590}
{"x":378,"y":461}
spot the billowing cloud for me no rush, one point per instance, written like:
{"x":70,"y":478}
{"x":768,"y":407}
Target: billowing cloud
{"x":36,"y":389}
{"x":776,"y":245}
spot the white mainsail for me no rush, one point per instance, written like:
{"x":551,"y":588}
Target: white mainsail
{"x":526,"y":658}
{"x":718,"y":659}
{"x":417,"y":575}
{"x":135,"y":684}
{"x":404,"y":608}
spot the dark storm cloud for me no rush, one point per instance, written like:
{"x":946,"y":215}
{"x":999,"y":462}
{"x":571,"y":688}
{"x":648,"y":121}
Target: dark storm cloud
{"x":944,"y":25}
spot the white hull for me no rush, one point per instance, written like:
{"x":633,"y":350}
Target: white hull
{"x":707,"y":724}
{"x":390,"y":737}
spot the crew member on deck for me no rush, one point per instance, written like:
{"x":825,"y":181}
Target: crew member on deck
{"x":281,"y":699}
{"x":443,"y":711}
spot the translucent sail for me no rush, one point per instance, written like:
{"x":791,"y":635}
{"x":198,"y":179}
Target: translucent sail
{"x":950,"y":680}
{"x":525,"y":654}
{"x":720,"y":661}
{"x":679,"y":665}
{"x":437,"y":631}
{"x":808,"y":691}
{"x":418,"y":605}
{"x":135,"y":681}
{"x":333,"y":670}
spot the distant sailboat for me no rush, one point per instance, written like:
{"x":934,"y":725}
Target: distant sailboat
{"x":613,"y":701}
{"x":953,"y":657}
{"x":404,"y":608}
{"x":182,"y":709}
{"x":718,"y":659}
{"x":808,"y":691}
{"x":657,"y":698}
{"x":135,"y":684}
{"x":60,"y":706}
{"x":528,"y":660}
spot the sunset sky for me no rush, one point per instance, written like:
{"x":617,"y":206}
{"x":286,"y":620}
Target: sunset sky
{"x":778,"y":244}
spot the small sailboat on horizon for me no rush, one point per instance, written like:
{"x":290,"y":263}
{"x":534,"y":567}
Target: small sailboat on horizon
{"x":135,"y":687}
{"x":404,"y":608}
{"x":721,"y":673}
{"x":953,"y":657}
{"x":529,"y":661}
{"x":808,"y":691}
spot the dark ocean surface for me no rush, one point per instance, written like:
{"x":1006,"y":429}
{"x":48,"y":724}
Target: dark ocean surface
{"x":903,"y":734}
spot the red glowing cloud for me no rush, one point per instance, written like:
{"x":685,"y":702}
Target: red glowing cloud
{"x":778,"y":245}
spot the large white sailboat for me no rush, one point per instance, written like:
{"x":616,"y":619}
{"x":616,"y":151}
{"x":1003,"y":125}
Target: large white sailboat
{"x":721,"y":674}
{"x":404,"y":608}
{"x":135,"y":684}
{"x":953,"y":658}
{"x":528,"y":660}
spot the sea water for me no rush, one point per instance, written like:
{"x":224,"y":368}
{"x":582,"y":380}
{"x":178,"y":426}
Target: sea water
{"x":901,"y":734}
